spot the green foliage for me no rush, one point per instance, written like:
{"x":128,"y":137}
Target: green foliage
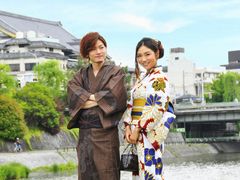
{"x":238,"y":127}
{"x":74,"y":132}
{"x":33,"y":132}
{"x":226,"y":87}
{"x":80,"y":64}
{"x":39,"y":107}
{"x":12,"y":124}
{"x":127,"y":78}
{"x":35,"y":87}
{"x":7,"y":82}
{"x":231,"y":86}
{"x":57,"y":168}
{"x":13,"y":171}
{"x":51,"y":75}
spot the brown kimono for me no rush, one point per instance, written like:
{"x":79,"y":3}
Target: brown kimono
{"x":98,"y":146}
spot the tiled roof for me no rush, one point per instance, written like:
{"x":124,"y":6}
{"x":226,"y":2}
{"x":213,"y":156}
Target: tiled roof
{"x":16,"y":41}
{"x":18,"y":55}
{"x":15,"y":22}
{"x":36,"y":44}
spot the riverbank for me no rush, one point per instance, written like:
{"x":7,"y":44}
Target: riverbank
{"x":38,"y":158}
{"x":60,"y":149}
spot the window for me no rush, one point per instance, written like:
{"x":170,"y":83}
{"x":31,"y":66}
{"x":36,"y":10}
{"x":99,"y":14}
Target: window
{"x":14,"y":67}
{"x":176,"y":58}
{"x":51,"y":49}
{"x":29,"y":66}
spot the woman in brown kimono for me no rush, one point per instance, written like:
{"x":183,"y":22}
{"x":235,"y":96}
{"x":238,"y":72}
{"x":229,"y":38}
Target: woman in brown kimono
{"x":97,"y":99}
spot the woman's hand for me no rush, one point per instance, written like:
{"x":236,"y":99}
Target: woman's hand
{"x":135,"y":135}
{"x":128,"y":133}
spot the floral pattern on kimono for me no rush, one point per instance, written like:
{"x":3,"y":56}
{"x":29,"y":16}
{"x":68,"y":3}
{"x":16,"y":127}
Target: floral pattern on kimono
{"x":155,"y":120}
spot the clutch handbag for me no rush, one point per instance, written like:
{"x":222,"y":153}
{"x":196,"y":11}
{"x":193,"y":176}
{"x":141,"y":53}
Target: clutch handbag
{"x":129,"y":159}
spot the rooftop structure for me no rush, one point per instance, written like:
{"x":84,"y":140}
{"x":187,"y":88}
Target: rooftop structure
{"x":27,"y":41}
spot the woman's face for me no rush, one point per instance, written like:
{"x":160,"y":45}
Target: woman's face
{"x":98,"y":53}
{"x":146,"y":57}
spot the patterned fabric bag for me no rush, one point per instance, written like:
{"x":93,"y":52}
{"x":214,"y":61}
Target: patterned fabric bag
{"x":129,"y":159}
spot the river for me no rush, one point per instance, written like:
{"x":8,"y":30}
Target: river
{"x":204,"y":167}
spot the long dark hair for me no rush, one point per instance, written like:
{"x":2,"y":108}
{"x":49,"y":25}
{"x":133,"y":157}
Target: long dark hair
{"x":154,"y":45}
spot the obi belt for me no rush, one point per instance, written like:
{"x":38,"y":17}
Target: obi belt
{"x":138,"y":105}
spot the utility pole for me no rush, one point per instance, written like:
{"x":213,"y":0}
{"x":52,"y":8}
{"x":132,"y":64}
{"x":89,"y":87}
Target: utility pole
{"x":203,"y":101}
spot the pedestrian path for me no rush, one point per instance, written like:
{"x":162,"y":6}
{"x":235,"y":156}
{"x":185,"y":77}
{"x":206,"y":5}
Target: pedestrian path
{"x":33,"y":159}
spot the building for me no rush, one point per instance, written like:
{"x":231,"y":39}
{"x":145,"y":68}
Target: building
{"x":185,"y":78}
{"x":233,"y":61}
{"x":27,"y":41}
{"x":181,"y":73}
{"x":204,"y":76}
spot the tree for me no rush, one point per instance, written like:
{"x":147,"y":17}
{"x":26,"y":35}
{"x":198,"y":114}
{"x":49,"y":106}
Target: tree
{"x":39,"y":108}
{"x":51,"y":75}
{"x":7,"y":82}
{"x":12,"y":124}
{"x":127,"y":78}
{"x":226,"y":87}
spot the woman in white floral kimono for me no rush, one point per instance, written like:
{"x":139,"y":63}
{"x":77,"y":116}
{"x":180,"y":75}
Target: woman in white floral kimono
{"x":150,"y":113}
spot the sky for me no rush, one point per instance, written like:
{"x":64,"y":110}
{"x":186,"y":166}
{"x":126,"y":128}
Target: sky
{"x":206,"y":29}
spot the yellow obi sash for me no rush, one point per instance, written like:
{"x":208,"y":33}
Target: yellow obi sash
{"x":137,"y":109}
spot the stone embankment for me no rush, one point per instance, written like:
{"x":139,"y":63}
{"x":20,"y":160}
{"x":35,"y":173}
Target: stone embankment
{"x":60,"y":148}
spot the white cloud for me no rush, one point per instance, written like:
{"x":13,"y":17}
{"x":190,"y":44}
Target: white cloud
{"x":136,"y":21}
{"x":150,"y":25}
{"x":173,"y":25}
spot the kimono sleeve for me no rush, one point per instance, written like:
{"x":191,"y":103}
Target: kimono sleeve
{"x":113,"y":98}
{"x":155,"y":114}
{"x":127,"y":118}
{"x":77,"y":95}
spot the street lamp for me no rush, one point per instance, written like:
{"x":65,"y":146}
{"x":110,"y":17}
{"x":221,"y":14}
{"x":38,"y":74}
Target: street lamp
{"x":202,"y":83}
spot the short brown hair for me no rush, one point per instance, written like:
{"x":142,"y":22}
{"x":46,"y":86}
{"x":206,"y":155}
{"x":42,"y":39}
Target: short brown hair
{"x":88,"y":42}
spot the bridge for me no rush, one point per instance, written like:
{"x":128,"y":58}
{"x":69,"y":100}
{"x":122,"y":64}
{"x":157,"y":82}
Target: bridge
{"x":216,"y":122}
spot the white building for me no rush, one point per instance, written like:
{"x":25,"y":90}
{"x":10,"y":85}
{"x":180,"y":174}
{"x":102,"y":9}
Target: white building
{"x":181,"y":73}
{"x":26,"y":50}
{"x":185,"y":77}
{"x":27,"y":41}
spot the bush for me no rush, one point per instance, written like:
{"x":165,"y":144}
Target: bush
{"x":39,"y":107}
{"x":70,"y":167}
{"x":12,"y":124}
{"x":7,"y":82}
{"x":13,"y":171}
{"x":35,"y":87}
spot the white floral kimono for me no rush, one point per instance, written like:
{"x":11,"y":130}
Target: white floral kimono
{"x":149,"y":109}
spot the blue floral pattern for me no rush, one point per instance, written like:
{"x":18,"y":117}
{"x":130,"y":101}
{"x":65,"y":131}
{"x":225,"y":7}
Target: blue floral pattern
{"x":152,"y":100}
{"x":169,"y":122}
{"x":149,"y":156}
{"x":148,"y":176}
{"x":155,"y":119}
{"x":158,"y":166}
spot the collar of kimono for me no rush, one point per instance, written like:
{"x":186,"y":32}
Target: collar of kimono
{"x":154,"y":69}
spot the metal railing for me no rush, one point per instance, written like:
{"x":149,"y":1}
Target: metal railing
{"x":213,"y":139}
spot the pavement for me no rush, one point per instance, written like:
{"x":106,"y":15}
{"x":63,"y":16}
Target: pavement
{"x":33,"y":159}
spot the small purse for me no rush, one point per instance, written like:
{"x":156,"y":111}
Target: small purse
{"x":129,"y":159}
